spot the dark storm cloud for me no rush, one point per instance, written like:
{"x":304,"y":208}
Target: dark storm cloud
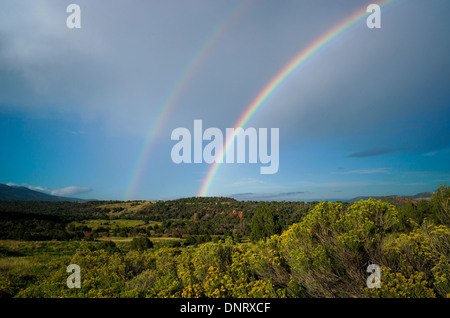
{"x":125,"y":61}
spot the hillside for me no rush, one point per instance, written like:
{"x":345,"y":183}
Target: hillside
{"x":395,"y":197}
{"x":8,"y":193}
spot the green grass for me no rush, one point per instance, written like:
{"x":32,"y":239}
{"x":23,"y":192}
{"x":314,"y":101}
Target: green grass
{"x":111,"y":224}
{"x":32,"y":257}
{"x":126,"y":207}
{"x":124,"y":243}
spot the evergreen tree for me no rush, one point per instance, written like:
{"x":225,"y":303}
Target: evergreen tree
{"x":264,"y":224}
{"x":441,"y":205}
{"x":141,"y":243}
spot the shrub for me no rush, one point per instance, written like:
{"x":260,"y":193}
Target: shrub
{"x":329,"y":250}
{"x":441,"y":205}
{"x":141,"y":243}
{"x":399,"y":285}
{"x":264,"y":224}
{"x":425,"y":250}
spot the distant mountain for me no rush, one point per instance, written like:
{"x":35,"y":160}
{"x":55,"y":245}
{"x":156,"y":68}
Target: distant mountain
{"x":8,"y":193}
{"x":416,"y":197}
{"x":422,"y":195}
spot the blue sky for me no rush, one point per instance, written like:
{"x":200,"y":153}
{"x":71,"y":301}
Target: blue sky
{"x":366,"y":115}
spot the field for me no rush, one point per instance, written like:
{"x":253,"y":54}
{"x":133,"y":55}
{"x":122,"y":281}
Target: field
{"x":219,"y":247}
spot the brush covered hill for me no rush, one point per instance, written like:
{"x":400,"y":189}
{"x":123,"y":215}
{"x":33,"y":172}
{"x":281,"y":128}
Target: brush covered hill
{"x":397,"y":199}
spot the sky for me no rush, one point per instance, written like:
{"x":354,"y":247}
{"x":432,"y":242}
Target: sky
{"x":89,"y":112}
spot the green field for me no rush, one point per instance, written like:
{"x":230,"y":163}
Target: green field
{"x":29,"y":257}
{"x":111,"y":224}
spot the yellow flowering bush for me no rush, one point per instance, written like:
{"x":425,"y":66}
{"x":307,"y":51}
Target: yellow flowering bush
{"x":268,"y":261}
{"x":441,"y":274}
{"x":398,"y":285}
{"x":425,"y":250}
{"x":328,"y":250}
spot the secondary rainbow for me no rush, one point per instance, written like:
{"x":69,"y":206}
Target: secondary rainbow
{"x":276,"y":82}
{"x":175,"y":94}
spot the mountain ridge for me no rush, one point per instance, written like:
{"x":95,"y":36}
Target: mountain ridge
{"x":418,"y":196}
{"x":11,"y":193}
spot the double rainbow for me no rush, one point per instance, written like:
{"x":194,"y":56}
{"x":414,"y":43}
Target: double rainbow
{"x":278,"y":80}
{"x":178,"y":88}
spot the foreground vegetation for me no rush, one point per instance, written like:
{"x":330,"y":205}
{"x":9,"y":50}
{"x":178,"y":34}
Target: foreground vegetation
{"x":219,"y":247}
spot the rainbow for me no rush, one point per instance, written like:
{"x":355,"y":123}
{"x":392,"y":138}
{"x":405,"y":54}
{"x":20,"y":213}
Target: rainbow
{"x":175,"y":94}
{"x":276,"y":82}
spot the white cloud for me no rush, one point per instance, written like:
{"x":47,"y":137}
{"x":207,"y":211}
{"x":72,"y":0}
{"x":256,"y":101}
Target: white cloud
{"x":69,"y":191}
